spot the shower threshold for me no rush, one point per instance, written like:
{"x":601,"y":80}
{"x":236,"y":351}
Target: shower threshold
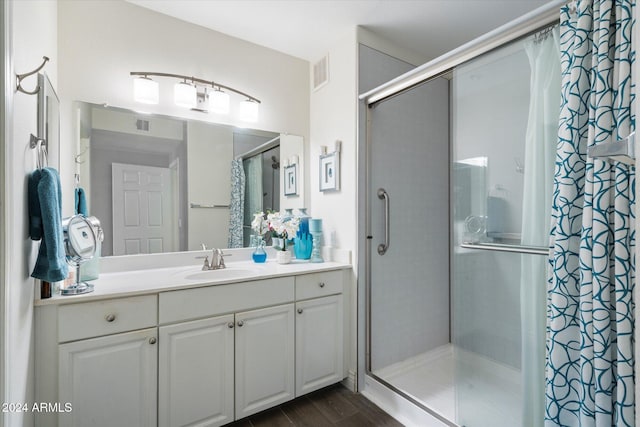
{"x":462,"y":387}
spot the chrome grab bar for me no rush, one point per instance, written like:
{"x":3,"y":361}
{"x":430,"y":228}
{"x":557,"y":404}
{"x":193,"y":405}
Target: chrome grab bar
{"x":383,"y":247}
{"x":500,"y":247}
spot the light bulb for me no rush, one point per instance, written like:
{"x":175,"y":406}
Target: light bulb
{"x":145,"y":90}
{"x":249,"y":111}
{"x":185,"y":95}
{"x":219,"y":102}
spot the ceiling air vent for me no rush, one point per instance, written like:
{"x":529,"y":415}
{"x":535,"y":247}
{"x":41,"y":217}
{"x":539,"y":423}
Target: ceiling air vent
{"x":321,"y":73}
{"x":142,"y":125}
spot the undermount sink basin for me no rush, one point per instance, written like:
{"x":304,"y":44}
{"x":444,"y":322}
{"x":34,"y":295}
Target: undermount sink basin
{"x":222,"y":274}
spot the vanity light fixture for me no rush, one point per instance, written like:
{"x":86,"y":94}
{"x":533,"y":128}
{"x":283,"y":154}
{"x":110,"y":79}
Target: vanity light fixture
{"x":185,"y":95}
{"x":219,"y":102}
{"x":249,"y":111}
{"x":191,"y":92}
{"x":145,"y":90}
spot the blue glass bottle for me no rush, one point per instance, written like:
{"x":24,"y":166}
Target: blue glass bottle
{"x":303,"y":240}
{"x":259,"y":253}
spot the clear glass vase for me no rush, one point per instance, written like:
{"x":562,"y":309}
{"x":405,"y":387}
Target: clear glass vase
{"x":259,"y":254}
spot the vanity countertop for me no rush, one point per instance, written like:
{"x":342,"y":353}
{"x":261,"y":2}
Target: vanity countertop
{"x":152,"y":281}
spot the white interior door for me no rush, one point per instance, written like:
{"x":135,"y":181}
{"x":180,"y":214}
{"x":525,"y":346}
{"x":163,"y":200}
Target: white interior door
{"x":143,"y":220}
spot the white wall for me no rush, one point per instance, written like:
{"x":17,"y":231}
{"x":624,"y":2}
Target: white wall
{"x":333,"y":117}
{"x":291,"y":147}
{"x":102,"y":41}
{"x":5,"y":83}
{"x":34,"y":34}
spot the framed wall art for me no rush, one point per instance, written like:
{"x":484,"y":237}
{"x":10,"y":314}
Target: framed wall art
{"x":330,"y":171}
{"x":291,"y":180}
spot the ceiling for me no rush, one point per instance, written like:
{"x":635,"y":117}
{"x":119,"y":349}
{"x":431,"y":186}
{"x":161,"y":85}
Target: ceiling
{"x":307,"y":28}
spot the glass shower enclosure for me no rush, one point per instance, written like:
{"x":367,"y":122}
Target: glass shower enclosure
{"x":459,"y":177}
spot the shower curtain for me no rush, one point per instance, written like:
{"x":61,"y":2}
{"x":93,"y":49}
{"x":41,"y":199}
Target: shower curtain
{"x":589,"y":369}
{"x":236,"y":207}
{"x":543,"y":52}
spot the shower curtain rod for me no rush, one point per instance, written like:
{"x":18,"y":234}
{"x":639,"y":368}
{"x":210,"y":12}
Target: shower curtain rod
{"x":515,"y":29}
{"x":260,"y":148}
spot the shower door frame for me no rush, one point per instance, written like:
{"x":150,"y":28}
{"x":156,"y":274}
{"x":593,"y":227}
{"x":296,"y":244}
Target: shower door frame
{"x":517,"y":29}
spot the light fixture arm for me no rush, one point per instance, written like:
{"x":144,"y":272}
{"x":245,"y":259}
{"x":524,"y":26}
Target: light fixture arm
{"x":194,"y":80}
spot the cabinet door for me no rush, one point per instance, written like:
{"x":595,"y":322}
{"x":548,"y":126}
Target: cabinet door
{"x":264,"y":358}
{"x":319,"y":343}
{"x":195,"y":385}
{"x":110,"y":381}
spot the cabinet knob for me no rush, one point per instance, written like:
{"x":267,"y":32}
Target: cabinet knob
{"x":110,"y":317}
{"x":321,"y":284}
{"x":230,"y":325}
{"x":240,"y":323}
{"x":152,"y":340}
{"x":300,"y":311}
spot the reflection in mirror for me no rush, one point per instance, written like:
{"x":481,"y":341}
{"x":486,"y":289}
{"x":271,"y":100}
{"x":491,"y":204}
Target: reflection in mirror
{"x":163,"y":184}
{"x":49,"y":120}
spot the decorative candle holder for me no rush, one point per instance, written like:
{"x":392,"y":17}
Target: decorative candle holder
{"x":315,"y":228}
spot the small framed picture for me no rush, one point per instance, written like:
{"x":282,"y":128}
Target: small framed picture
{"x":290,"y":180}
{"x":330,"y":171}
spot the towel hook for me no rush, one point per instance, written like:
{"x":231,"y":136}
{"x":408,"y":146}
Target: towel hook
{"x":20,"y":77}
{"x":77,"y":156}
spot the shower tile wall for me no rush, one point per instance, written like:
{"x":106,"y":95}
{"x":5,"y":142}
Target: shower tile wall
{"x":410,"y":283}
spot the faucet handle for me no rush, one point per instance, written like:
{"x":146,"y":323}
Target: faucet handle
{"x":221,"y":260}
{"x":205,"y":266}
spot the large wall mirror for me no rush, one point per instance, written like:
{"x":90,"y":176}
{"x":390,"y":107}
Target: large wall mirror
{"x":162,"y":182}
{"x":165,"y":184}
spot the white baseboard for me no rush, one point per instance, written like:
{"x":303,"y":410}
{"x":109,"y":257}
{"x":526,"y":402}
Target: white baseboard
{"x":398,"y":407}
{"x":350,"y":382}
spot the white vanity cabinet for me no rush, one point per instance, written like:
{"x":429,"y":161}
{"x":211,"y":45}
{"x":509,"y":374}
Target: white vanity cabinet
{"x":204,"y":356}
{"x":264,"y":359}
{"x":243,"y":359}
{"x":110,"y":381}
{"x":196,"y":376}
{"x":101,"y":359}
{"x":319,"y":331}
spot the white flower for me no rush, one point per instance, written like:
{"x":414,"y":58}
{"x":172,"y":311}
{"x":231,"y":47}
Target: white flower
{"x":259,"y":224}
{"x":285,"y":227}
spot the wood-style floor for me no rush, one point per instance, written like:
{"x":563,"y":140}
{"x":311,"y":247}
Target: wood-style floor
{"x":331,"y":406}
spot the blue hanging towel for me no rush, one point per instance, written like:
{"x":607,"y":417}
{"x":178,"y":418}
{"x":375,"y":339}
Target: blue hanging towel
{"x":51,"y":263}
{"x":35,"y":219}
{"x":81,"y":202}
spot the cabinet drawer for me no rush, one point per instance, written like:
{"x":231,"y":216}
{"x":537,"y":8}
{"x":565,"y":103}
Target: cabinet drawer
{"x":93,"y":319}
{"x":176,"y":306}
{"x":318,"y":284}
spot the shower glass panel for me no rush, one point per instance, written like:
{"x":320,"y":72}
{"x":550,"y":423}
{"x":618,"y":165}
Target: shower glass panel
{"x":502,"y":170}
{"x":409,"y":158}
{"x":457,"y":303}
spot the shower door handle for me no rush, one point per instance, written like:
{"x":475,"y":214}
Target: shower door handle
{"x":383,"y":247}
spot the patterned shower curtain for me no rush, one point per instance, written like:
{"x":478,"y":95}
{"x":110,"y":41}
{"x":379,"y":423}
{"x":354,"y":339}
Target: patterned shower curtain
{"x":589,"y":369}
{"x":236,"y":208}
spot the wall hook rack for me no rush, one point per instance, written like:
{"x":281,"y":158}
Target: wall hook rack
{"x":20,"y":77}
{"x":78,"y":156}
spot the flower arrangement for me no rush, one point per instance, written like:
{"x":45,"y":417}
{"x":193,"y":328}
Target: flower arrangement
{"x":281,"y":226}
